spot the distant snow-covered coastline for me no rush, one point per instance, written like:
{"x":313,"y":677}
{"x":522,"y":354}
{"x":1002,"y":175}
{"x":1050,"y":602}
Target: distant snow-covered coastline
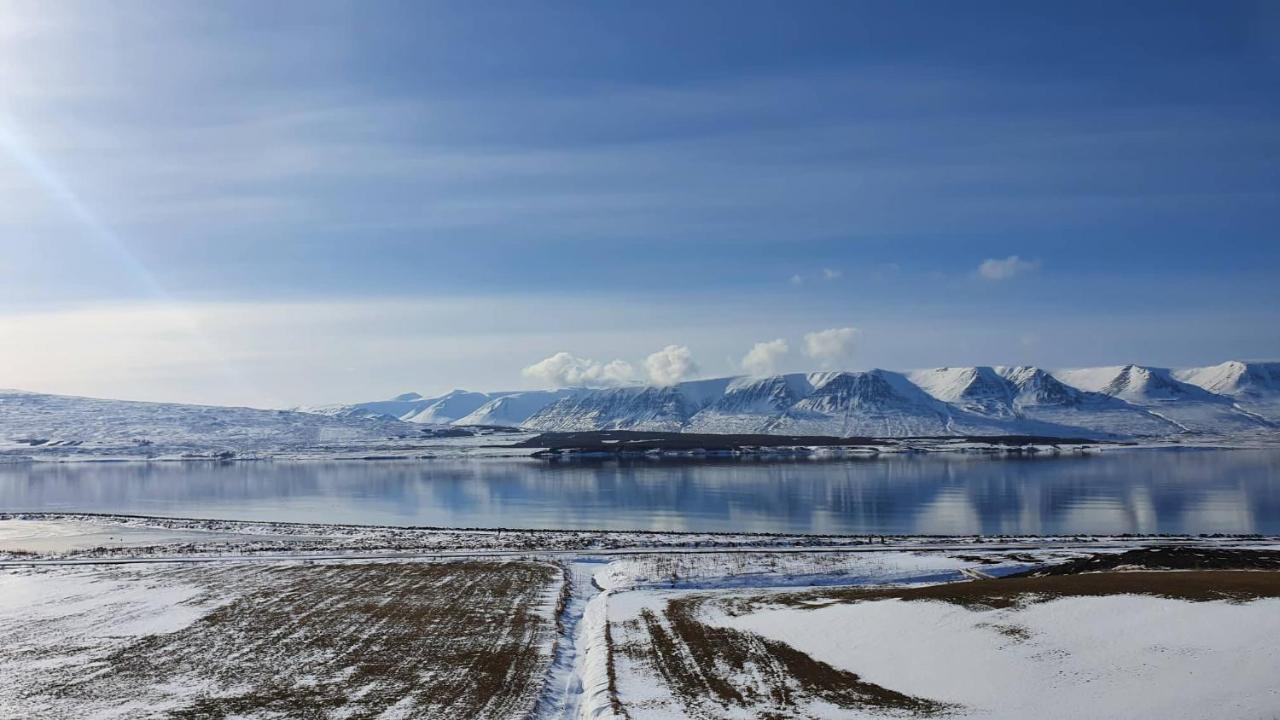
{"x":1231,"y":404}
{"x":1120,"y":402}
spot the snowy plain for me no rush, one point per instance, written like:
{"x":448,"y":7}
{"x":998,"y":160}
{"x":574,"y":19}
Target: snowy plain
{"x":1124,"y":656}
{"x":75,"y":611}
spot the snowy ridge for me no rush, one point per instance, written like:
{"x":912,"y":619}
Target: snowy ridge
{"x":510,"y":409}
{"x":1123,"y":401}
{"x":666,"y":409}
{"x":457,"y":407}
{"x":749,"y":404}
{"x":1254,"y":387}
{"x":34,"y":423}
{"x":1192,"y":408}
{"x":876,"y":403}
{"x":1235,"y":378}
{"x":1038,"y":395}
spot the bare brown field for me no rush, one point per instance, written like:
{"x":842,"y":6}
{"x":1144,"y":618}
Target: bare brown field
{"x":713,"y":671}
{"x":352,"y":640}
{"x":1167,"y":558}
{"x":1192,"y":585}
{"x":716,"y":672}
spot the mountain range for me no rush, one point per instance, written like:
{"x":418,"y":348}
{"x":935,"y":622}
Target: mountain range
{"x":1129,"y":401}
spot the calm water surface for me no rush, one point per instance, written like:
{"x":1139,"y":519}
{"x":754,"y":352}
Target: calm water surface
{"x":1130,"y":491}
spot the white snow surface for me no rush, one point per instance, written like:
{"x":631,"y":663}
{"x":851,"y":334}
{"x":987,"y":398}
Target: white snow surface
{"x":36,"y":424}
{"x":1232,"y":401}
{"x":1254,"y":386}
{"x":1120,"y":656}
{"x":509,"y":409}
{"x":1159,"y":391}
{"x":1234,"y":398}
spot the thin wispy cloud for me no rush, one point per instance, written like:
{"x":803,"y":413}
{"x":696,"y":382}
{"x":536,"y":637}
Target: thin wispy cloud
{"x":826,"y":274}
{"x":692,"y":161}
{"x":1005,"y":268}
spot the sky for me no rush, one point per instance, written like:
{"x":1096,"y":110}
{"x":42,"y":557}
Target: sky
{"x":286,"y":203}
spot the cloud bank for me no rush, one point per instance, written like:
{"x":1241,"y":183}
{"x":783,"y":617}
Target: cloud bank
{"x":670,"y":365}
{"x":764,"y":357}
{"x":564,"y":370}
{"x":830,"y":347}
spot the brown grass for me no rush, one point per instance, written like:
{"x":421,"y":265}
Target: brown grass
{"x":463,"y":639}
{"x":1167,"y":558}
{"x":711,"y":670}
{"x":1191,"y":585}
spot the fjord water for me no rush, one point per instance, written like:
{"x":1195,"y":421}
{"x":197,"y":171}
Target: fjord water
{"x":1184,"y":491}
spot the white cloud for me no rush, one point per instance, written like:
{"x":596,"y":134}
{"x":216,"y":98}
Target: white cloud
{"x":763,"y":358}
{"x":997,"y":269}
{"x":826,"y":274}
{"x":565,"y":370}
{"x":670,"y":365}
{"x":831,"y":346}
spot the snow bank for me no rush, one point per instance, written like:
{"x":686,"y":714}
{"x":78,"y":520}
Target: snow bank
{"x":593,"y":639}
{"x":1112,"y":657}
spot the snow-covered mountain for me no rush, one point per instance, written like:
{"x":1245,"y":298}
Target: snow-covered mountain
{"x":1254,"y":387}
{"x":1157,"y":390}
{"x":877,"y":403}
{"x":511,"y":409}
{"x":1038,"y":395}
{"x":750,"y":404}
{"x":1127,"y":401}
{"x":629,"y":408}
{"x":1025,"y":395}
{"x":457,"y":407}
{"x":34,"y":424}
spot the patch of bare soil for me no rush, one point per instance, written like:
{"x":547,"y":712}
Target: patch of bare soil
{"x":414,"y":640}
{"x":1191,"y":585}
{"x":1166,"y":558}
{"x":720,"y":672}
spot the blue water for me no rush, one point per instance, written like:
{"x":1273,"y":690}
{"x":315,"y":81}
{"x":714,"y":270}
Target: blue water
{"x":1128,"y":491}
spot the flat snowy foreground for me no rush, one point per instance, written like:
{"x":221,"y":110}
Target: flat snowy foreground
{"x":1159,"y":645}
{"x":1123,"y":656}
{"x":188,"y":618}
{"x":408,"y":640}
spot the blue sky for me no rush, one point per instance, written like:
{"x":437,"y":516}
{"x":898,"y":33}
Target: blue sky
{"x":302,"y":202}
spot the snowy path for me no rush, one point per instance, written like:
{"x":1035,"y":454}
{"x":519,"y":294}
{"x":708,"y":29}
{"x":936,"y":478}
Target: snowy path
{"x":562,"y":692}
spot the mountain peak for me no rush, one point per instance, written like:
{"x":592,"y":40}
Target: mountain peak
{"x":1138,"y":382}
{"x":1236,"y":378}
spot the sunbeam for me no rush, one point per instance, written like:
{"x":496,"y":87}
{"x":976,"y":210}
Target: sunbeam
{"x":16,"y":146}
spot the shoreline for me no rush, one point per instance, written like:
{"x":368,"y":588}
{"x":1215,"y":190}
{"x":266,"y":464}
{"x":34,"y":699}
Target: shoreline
{"x":726,"y":450}
{"x":51,"y":537}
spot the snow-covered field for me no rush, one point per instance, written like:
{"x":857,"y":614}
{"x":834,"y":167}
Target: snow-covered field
{"x":261,"y":620}
{"x":1122,"y":656}
{"x":103,"y":537}
{"x":1096,"y":651}
{"x":408,"y":640}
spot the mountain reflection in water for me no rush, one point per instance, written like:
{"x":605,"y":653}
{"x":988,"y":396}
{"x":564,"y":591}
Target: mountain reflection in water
{"x":1153,"y":491}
